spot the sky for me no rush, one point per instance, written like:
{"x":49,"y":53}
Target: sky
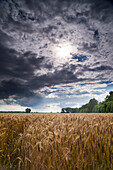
{"x":55,"y":53}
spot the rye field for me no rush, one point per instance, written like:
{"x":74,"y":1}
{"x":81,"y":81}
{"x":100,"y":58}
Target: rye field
{"x":56,"y":141}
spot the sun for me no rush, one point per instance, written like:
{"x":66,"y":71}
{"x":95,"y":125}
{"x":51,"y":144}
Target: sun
{"x":63,"y":51}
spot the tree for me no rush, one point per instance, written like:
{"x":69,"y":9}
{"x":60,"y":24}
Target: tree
{"x":88,"y":108}
{"x":92,"y":103}
{"x":28,"y":110}
{"x":93,"y":106}
{"x":109,"y":97}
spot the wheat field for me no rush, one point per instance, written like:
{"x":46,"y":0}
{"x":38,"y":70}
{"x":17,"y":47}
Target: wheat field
{"x":56,"y":141}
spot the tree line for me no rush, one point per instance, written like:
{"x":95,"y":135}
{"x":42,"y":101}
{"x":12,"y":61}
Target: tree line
{"x":93,"y":106}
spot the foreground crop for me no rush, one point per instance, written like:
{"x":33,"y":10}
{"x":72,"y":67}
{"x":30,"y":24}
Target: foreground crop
{"x":56,"y":141}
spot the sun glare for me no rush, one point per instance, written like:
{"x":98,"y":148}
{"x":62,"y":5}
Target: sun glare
{"x":64,"y":51}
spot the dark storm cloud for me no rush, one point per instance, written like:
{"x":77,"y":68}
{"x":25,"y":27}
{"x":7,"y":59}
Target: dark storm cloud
{"x":12,"y":87}
{"x":15,"y":65}
{"x":58,"y":77}
{"x":13,"y":91}
{"x":16,"y":72}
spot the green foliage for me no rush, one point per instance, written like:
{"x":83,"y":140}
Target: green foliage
{"x":109,"y":97}
{"x":70,"y":110}
{"x":93,"y":107}
{"x":87,"y":108}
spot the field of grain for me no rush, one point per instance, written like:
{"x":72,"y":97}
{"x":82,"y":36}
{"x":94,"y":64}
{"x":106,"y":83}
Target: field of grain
{"x":56,"y":141}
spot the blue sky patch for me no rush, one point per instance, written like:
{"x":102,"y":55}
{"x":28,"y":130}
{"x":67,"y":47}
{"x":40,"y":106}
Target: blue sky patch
{"x":80,"y":58}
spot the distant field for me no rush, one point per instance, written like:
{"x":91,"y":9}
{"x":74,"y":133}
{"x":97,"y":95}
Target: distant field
{"x":56,"y":141}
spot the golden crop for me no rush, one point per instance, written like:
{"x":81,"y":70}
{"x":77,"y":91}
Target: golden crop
{"x":56,"y":141}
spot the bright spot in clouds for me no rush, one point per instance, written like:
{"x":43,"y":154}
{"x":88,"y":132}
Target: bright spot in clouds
{"x":64,"y":51}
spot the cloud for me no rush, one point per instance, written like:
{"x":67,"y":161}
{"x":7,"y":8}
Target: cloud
{"x":30,"y":33}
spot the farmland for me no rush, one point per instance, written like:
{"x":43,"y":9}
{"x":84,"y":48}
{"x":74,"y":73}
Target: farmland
{"x":56,"y":141}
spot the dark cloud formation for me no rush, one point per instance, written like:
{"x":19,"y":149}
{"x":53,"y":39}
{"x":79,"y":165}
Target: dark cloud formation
{"x":16,"y":73}
{"x":32,"y":32}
